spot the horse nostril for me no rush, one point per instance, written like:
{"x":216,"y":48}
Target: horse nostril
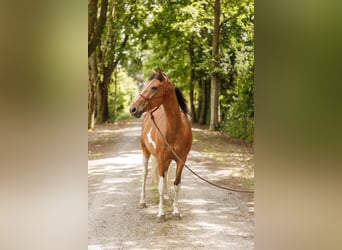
{"x":133,"y":110}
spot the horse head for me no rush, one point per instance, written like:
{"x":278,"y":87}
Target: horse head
{"x":153,"y":95}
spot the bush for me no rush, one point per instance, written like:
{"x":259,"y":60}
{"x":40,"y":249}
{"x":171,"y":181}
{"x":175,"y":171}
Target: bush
{"x":239,"y":120}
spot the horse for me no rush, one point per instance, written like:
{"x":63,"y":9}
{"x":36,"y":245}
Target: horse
{"x":165,"y":103}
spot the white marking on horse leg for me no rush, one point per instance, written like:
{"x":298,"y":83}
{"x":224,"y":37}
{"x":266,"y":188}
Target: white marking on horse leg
{"x":144,"y":175}
{"x":175,"y":203}
{"x":149,"y":139}
{"x":161,"y":197}
{"x":166,"y":185}
{"x":154,"y":171}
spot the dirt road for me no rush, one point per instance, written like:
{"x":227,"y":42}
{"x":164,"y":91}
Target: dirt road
{"x":211,"y":218}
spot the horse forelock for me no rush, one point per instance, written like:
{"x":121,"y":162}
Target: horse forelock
{"x":156,"y":76}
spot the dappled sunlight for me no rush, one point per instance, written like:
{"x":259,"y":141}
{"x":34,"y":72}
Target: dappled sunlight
{"x":111,"y":175}
{"x":210,"y":218}
{"x":133,"y":157}
{"x":125,"y":130}
{"x":231,"y":172}
{"x":197,"y":202}
{"x":118,"y":180}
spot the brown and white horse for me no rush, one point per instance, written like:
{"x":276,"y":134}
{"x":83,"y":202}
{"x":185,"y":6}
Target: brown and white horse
{"x":167,"y":104}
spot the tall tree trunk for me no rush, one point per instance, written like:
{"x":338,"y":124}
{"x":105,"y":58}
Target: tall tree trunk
{"x":102,"y":103}
{"x":192,"y":81}
{"x":115,"y":93}
{"x":203,"y":103}
{"x":215,"y":81}
{"x":102,"y":100}
{"x":92,"y":73}
{"x":192,"y":105}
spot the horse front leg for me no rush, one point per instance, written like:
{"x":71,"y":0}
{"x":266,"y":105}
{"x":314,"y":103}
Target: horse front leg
{"x":175,"y":212}
{"x":143,"y":187}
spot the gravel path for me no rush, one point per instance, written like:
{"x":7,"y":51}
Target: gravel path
{"x":211,"y":218}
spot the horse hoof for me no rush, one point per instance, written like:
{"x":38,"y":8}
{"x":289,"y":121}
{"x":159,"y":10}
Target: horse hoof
{"x":176,"y":216}
{"x":161,"y":218}
{"x":142,"y":205}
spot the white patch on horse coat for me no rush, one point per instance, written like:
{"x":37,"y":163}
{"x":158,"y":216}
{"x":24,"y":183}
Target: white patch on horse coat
{"x":149,"y":139}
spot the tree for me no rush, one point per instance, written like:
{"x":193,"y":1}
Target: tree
{"x":95,"y":29}
{"x":206,"y":49}
{"x":123,"y":22}
{"x":237,"y":65}
{"x":215,"y":81}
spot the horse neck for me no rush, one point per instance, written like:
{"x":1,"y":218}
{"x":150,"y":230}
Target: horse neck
{"x":172,"y":113}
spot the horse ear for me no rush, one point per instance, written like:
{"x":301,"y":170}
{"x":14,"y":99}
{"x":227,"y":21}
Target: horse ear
{"x":161,"y":73}
{"x":153,"y":72}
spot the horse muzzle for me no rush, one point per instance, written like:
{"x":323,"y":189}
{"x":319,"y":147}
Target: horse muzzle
{"x":135,"y":111}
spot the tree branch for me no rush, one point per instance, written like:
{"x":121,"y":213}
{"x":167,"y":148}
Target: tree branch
{"x":95,"y":39}
{"x":92,"y":13}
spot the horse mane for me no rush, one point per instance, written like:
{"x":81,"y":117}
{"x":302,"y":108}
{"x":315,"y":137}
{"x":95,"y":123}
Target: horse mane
{"x":180,"y":97}
{"x":181,"y":100}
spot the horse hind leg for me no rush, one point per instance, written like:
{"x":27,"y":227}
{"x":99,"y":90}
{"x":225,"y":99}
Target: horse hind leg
{"x":142,"y":203}
{"x":154,"y":171}
{"x":161,"y":215}
{"x":163,"y":185}
{"x":155,"y":177}
{"x":166,"y":180}
{"x":177,"y":188}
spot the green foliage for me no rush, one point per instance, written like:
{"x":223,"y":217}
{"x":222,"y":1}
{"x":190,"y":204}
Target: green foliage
{"x":120,"y":95}
{"x":237,"y":63}
{"x":176,"y":36}
{"x":239,"y":121}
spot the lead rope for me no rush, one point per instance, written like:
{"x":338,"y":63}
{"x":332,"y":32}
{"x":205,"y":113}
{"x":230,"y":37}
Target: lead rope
{"x":193,"y":172}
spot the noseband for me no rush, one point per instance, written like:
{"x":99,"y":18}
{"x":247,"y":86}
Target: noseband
{"x":148,"y":99}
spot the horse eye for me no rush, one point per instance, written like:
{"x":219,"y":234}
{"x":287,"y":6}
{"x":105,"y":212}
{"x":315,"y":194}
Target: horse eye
{"x":154,"y":88}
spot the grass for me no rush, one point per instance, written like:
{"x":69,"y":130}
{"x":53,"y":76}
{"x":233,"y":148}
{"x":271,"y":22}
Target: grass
{"x":122,"y":117}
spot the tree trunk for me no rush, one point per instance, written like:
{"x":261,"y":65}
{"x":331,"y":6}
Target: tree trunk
{"x":102,"y":101}
{"x":115,"y":93}
{"x":92,"y":73}
{"x":215,"y":81}
{"x":203,"y":103}
{"x":192,"y":81}
{"x":192,"y":105}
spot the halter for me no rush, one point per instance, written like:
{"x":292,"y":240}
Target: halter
{"x":148,"y":99}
